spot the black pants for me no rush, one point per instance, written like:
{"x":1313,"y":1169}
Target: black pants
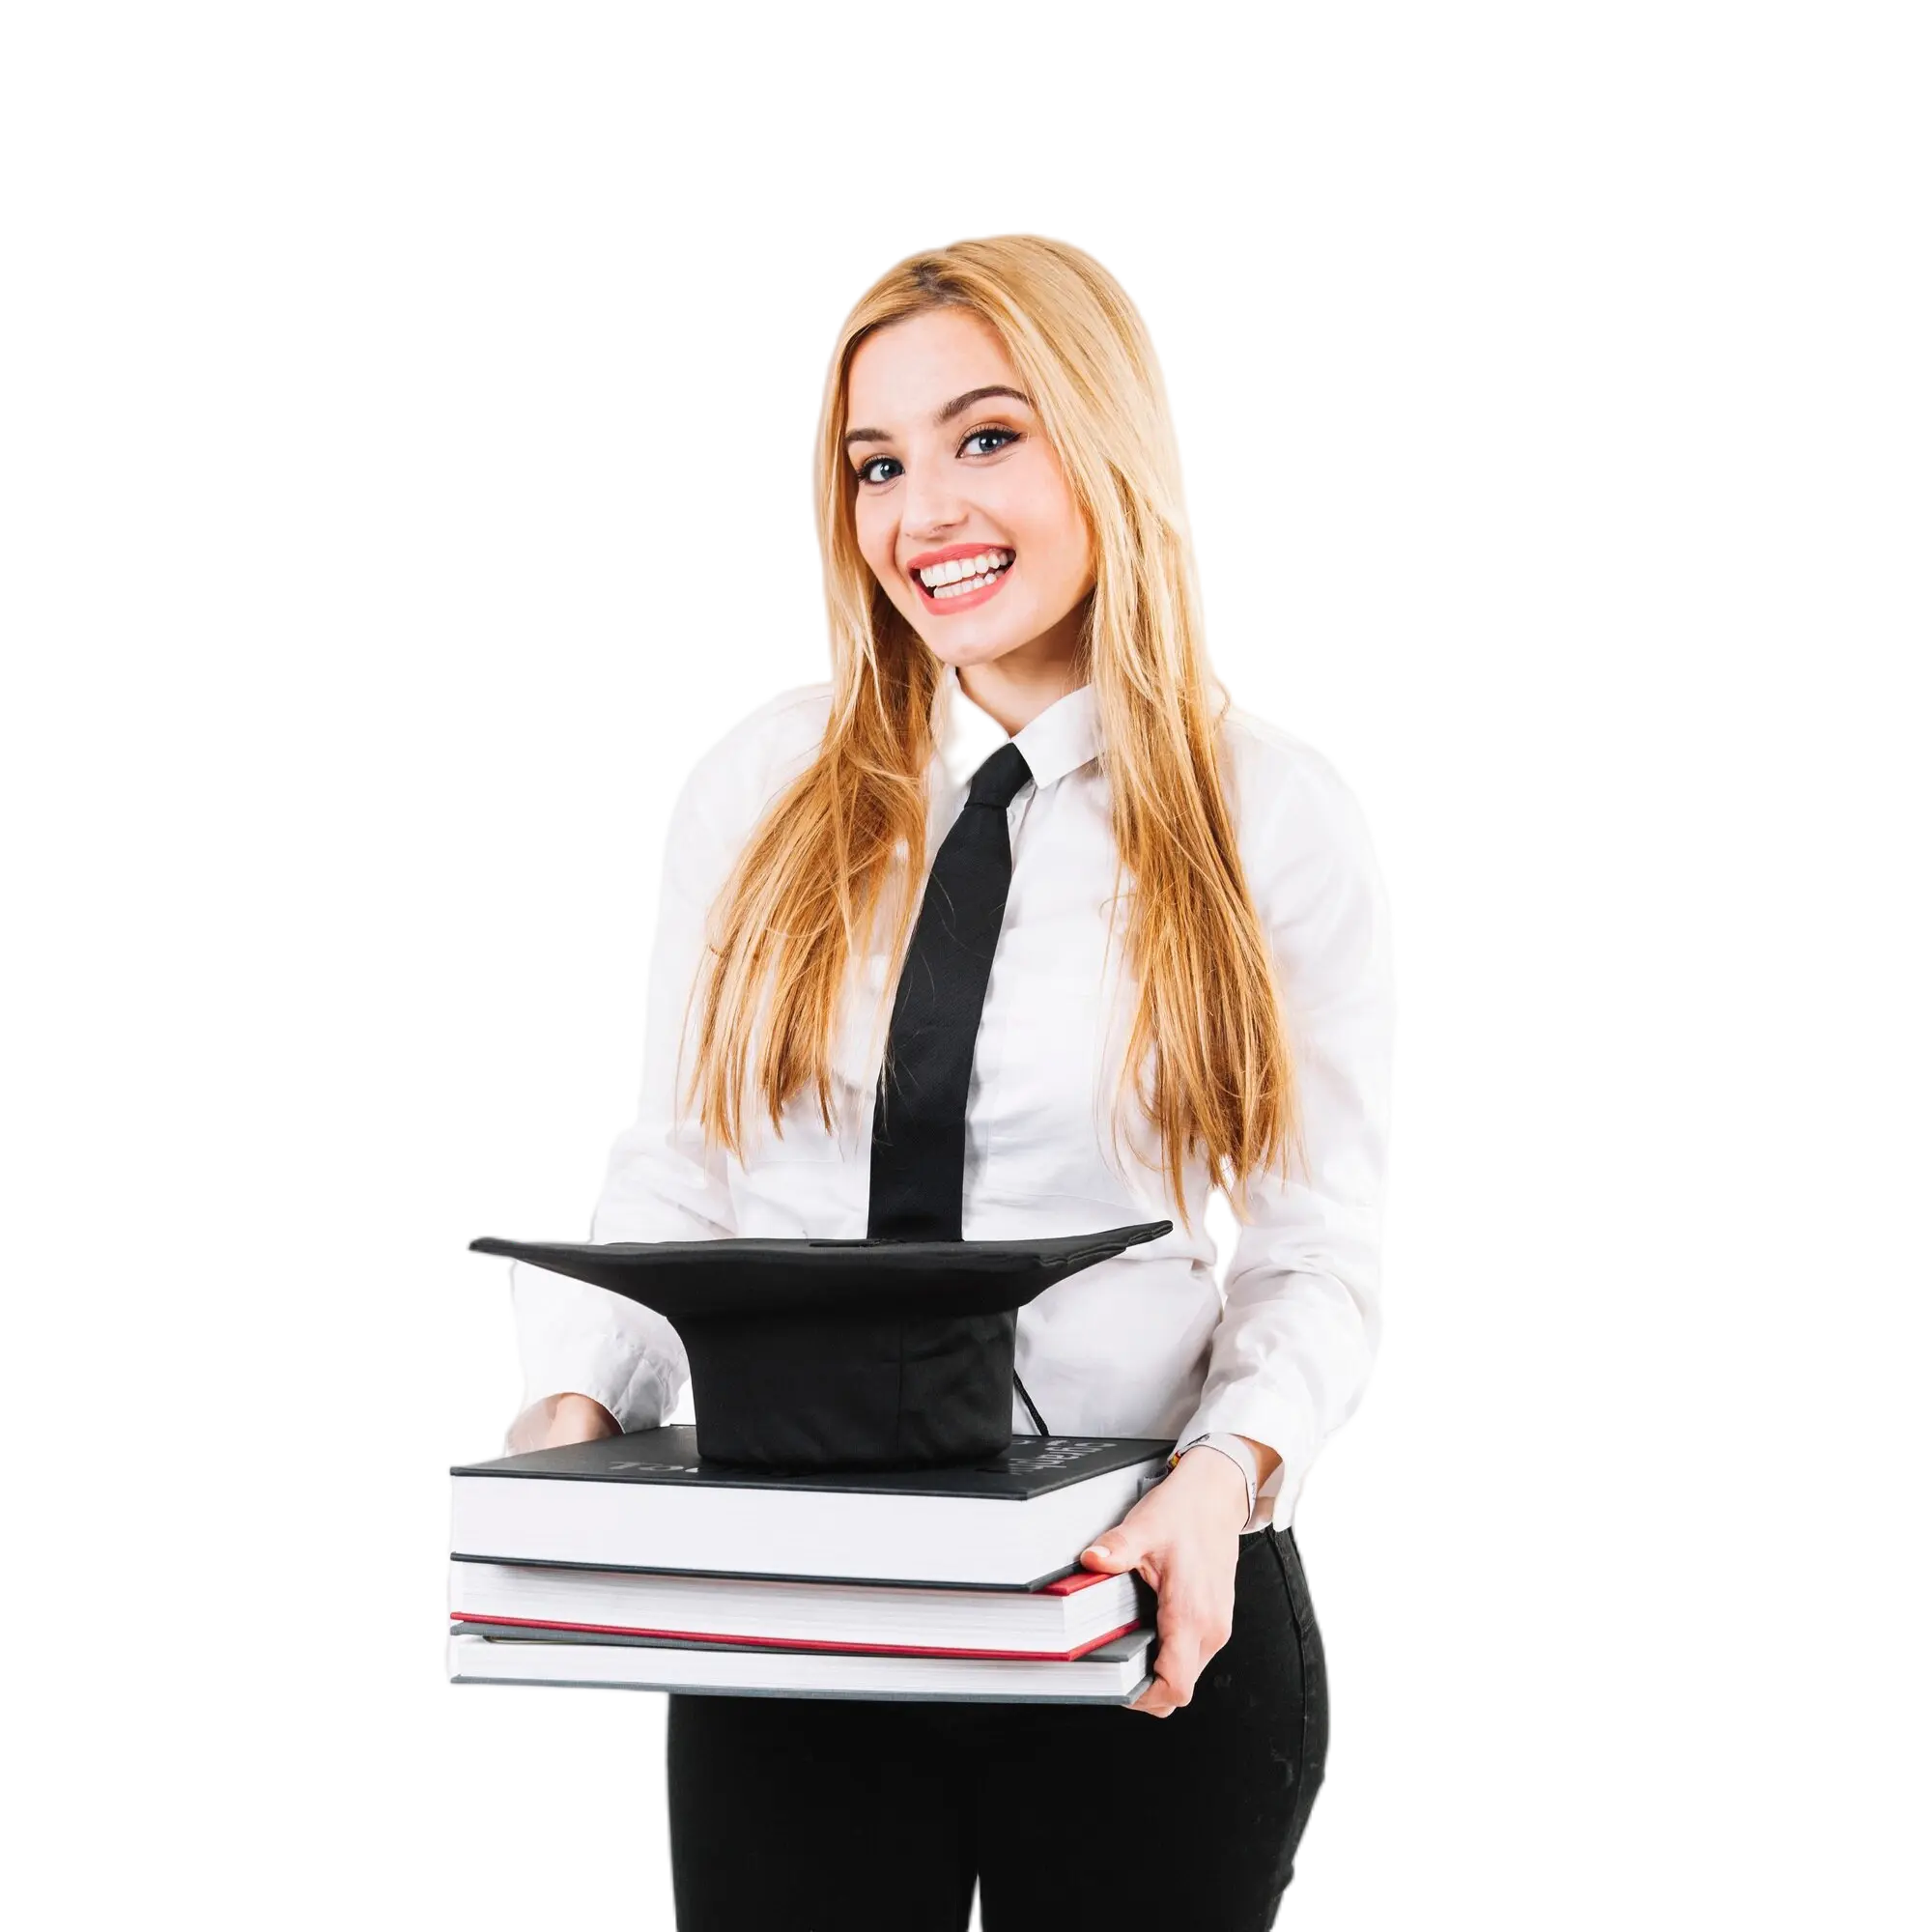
{"x":811,"y":1814}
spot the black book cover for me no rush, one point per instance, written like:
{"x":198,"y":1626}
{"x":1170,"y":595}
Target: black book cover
{"x":1030,"y":1466}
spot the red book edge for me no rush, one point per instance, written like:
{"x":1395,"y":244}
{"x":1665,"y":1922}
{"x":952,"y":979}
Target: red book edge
{"x":1081,"y":1579}
{"x":791,"y":1642}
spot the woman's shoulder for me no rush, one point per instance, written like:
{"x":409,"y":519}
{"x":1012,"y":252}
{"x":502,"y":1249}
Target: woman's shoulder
{"x":1276,"y":779}
{"x":786,"y":725}
{"x":759,"y":753}
{"x":1270,"y":764}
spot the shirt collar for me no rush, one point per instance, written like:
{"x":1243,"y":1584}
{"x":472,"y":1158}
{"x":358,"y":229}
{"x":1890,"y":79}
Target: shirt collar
{"x":1059,"y":740}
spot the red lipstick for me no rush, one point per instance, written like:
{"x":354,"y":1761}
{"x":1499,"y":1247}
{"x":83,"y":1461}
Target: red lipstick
{"x":926,"y":558}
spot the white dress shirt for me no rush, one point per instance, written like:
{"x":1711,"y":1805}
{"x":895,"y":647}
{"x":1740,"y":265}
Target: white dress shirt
{"x":1146,"y":1343}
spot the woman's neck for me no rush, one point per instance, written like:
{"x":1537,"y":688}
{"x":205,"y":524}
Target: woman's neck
{"x":1016,"y":688}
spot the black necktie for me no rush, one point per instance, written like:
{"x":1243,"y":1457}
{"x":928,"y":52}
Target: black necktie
{"x":919,"y":1125}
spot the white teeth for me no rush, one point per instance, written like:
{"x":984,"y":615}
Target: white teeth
{"x":961,"y":567}
{"x":966,"y":585}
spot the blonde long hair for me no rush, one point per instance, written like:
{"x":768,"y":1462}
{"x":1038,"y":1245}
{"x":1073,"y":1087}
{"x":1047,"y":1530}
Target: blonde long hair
{"x":1208,"y":1058}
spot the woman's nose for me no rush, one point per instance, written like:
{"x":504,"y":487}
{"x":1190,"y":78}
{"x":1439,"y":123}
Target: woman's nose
{"x":933,"y":506}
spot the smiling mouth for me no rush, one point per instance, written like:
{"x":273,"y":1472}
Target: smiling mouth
{"x":951,"y":584}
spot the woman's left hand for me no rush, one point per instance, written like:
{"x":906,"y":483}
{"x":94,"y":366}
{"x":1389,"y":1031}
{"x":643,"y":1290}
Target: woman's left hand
{"x":1184,"y":1537}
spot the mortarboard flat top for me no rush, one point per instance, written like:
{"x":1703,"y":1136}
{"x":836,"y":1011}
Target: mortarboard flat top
{"x":809,"y":1353}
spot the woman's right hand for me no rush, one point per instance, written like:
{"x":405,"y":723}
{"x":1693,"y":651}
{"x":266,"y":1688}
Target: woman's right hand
{"x":558,"y":1419}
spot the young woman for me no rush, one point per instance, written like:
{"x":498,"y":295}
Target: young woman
{"x":1191,"y":990}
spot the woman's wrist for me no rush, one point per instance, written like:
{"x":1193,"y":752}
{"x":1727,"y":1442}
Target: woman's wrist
{"x":1219,"y":1483}
{"x":573,"y":1404}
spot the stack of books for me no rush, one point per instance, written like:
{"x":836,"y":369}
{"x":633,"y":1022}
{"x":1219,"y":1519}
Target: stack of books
{"x":629,"y":1563}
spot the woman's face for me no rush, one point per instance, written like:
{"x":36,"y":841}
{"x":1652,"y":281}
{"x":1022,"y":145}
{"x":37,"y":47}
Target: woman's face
{"x":951,"y":480}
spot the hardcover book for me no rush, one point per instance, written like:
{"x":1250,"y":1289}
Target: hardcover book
{"x":1116,"y":1673}
{"x":1063,"y":1620}
{"x":647,"y":1501}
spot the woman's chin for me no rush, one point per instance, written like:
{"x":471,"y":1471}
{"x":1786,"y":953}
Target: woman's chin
{"x":960,"y":648}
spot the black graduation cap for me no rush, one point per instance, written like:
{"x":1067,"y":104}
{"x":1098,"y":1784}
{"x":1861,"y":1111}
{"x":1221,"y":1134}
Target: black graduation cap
{"x":894,"y":1350}
{"x":840,"y":1354}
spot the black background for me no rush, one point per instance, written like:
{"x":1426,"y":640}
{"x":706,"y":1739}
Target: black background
{"x":617,"y":561}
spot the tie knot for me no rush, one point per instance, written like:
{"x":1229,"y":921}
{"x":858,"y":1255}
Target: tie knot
{"x":997,"y":783}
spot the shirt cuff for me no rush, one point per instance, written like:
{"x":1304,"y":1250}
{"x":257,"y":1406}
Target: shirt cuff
{"x":1278,"y":1424}
{"x":578,"y":1340}
{"x":635,"y":1388}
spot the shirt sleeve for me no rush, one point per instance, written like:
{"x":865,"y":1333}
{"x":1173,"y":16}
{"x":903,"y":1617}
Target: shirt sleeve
{"x":660,"y":1185}
{"x":1291,"y":1354}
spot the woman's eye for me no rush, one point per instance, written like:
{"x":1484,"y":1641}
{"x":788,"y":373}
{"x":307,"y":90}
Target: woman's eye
{"x":864,"y":470}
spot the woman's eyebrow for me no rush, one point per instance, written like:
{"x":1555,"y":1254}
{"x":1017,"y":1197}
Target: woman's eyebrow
{"x":946,"y":414}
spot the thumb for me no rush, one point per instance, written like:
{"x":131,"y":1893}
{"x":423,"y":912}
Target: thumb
{"x":1116,"y":1549}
